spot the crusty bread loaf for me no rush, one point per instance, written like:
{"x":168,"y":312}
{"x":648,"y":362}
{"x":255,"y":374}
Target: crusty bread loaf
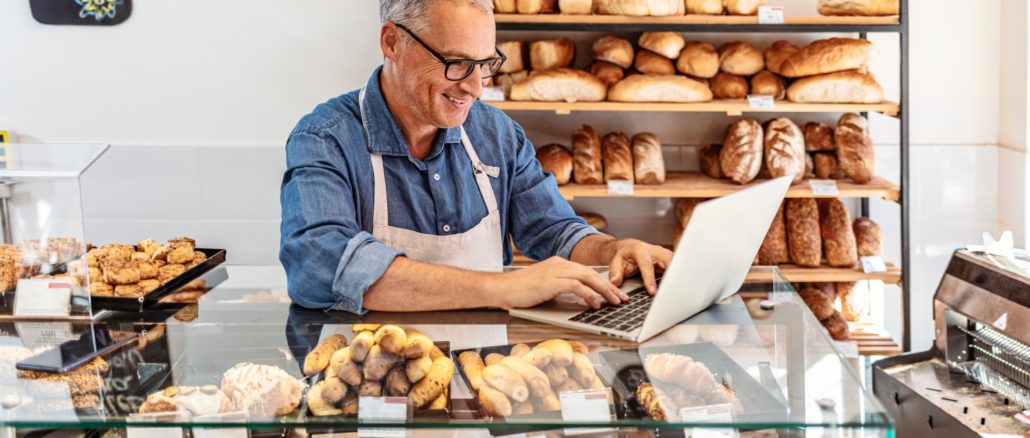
{"x":851,"y":306}
{"x":838,"y":237}
{"x":774,"y":247}
{"x":667,"y":44}
{"x":741,"y":154}
{"x":651,"y":63}
{"x":536,"y":6}
{"x":785,"y":149}
{"x":804,"y":242}
{"x":729,"y":86}
{"x":659,"y":88}
{"x":648,"y":163}
{"x":548,"y":54}
{"x":868,"y":237}
{"x":818,"y":137}
{"x":698,"y":59}
{"x":740,"y":58}
{"x":743,"y":7}
{"x":850,"y":86}
{"x":607,"y":72}
{"x":506,"y":81}
{"x":576,"y":7}
{"x":640,"y":8}
{"x":826,"y":166}
{"x":859,"y":7}
{"x":556,"y":159}
{"x":809,"y":166}
{"x":778,"y":52}
{"x":618,"y":157}
{"x":705,"y":7}
{"x":767,"y":83}
{"x":855,"y":148}
{"x":586,"y":156}
{"x":820,"y":303}
{"x":558,"y":85}
{"x":614,"y":50}
{"x":505,"y":7}
{"x":594,"y":220}
{"x":708,"y":160}
{"x":827,"y":56}
{"x":514,"y":51}
{"x":837,"y":326}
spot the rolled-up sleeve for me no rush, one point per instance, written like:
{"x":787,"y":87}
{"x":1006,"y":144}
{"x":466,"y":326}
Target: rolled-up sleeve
{"x":543,"y":223}
{"x":330,"y":261}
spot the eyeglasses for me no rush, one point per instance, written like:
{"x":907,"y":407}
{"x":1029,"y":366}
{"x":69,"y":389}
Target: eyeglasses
{"x":458,"y":69}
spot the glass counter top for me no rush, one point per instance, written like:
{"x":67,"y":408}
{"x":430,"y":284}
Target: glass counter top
{"x":758,"y":362}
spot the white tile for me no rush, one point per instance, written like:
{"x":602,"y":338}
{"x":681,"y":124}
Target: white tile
{"x":148,"y":182}
{"x":955,"y":182}
{"x":246,"y":242}
{"x":102,"y":231}
{"x":241,"y":182}
{"x":1012,"y":193}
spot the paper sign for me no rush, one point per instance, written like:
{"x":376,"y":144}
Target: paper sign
{"x":156,"y":432}
{"x":848,"y":348}
{"x":44,"y":334}
{"x":492,"y":94}
{"x":382,"y":409}
{"x":43,"y":298}
{"x":873,"y":264}
{"x":770,"y":15}
{"x":823,"y":187}
{"x":221,"y":432}
{"x":621,"y":188}
{"x":708,"y":414}
{"x":760,"y":102}
{"x":586,"y":405}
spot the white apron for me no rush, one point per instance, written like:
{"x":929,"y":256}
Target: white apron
{"x":478,"y":248}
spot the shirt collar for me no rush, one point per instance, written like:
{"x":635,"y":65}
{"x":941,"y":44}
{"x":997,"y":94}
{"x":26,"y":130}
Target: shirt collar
{"x":384,"y":135}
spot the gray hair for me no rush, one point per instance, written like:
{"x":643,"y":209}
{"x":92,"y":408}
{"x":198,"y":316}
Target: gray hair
{"x":412,"y":13}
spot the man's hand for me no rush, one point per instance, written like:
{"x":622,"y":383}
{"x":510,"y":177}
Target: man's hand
{"x":629,"y":256}
{"x":552,"y":277}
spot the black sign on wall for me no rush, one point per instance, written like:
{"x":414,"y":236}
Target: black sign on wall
{"x":81,"y":12}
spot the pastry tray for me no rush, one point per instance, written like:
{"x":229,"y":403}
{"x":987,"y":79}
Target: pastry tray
{"x":214,"y":258}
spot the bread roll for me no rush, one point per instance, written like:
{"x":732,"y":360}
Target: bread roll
{"x":704,"y":7}
{"x":740,"y":58}
{"x":774,"y":247}
{"x":557,"y":160}
{"x":859,"y":7}
{"x":809,"y":166}
{"x":729,"y":86}
{"x":838,"y":237}
{"x":837,"y":326}
{"x":548,"y":54}
{"x":708,"y":160}
{"x":514,"y":51}
{"x":576,"y":7}
{"x":640,"y":8}
{"x":826,"y":166}
{"x":607,"y":72}
{"x":850,"y":305}
{"x":698,"y":59}
{"x":549,"y":7}
{"x":741,"y":155}
{"x":614,"y":50}
{"x":586,"y":156}
{"x":505,"y":7}
{"x":532,"y":6}
{"x":820,"y":304}
{"x":651,"y":63}
{"x":851,"y":86}
{"x":648,"y":164}
{"x":667,"y":44}
{"x":803,"y":239}
{"x":618,"y":157}
{"x":868,"y":237}
{"x":778,"y":52}
{"x":506,"y":81}
{"x":818,"y":137}
{"x":743,"y":7}
{"x":659,"y":88}
{"x":559,"y":85}
{"x":855,"y":148}
{"x":785,"y":149}
{"x":594,"y":220}
{"x":767,"y":83}
{"x":828,"y":56}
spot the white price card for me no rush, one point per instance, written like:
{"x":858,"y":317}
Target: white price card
{"x":708,"y":414}
{"x":135,"y":429}
{"x":873,"y":264}
{"x":239,"y":417}
{"x":823,"y":187}
{"x":382,"y":410}
{"x":43,"y":334}
{"x":620,"y":187}
{"x":43,"y":298}
{"x":760,"y":102}
{"x":770,"y":15}
{"x":492,"y":94}
{"x":586,"y":405}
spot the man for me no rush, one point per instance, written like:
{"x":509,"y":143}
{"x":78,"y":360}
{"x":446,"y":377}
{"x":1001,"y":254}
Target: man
{"x":396,"y":197}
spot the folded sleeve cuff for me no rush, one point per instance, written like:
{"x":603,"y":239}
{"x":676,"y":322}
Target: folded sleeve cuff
{"x":363,"y":263}
{"x":571,"y":236}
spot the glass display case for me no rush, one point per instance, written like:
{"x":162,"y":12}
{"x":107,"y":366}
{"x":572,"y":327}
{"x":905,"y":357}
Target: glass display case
{"x":241,"y":360}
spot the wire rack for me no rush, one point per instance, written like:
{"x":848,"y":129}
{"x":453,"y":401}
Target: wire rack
{"x":1001,"y":353}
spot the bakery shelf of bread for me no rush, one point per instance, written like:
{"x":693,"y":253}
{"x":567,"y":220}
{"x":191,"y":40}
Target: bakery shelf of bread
{"x":731,"y":107}
{"x":677,"y":22}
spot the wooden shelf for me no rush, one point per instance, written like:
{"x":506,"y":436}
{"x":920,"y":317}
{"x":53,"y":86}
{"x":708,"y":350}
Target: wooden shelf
{"x":872,"y":340}
{"x":699,"y":185}
{"x":731,"y":107}
{"x":730,"y":20}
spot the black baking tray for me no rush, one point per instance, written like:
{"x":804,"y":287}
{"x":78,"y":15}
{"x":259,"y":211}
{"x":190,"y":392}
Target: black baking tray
{"x":214,"y":258}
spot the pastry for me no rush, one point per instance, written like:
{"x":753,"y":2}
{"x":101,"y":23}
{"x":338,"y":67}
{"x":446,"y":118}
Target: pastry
{"x":778,"y":52}
{"x":849,"y":86}
{"x":708,"y":160}
{"x":680,"y":370}
{"x":548,"y":54}
{"x":648,"y":62}
{"x":586,"y":156}
{"x":855,"y":151}
{"x":170,"y":271}
{"x":667,"y":44}
{"x":149,"y":285}
{"x":648,"y":164}
{"x":659,"y":88}
{"x":204,"y":400}
{"x":607,"y":72}
{"x":560,"y":85}
{"x":618,"y":157}
{"x":698,"y":59}
{"x":804,"y":241}
{"x":767,"y":83}
{"x":648,"y":398}
{"x":118,"y":273}
{"x":827,"y":56}
{"x":262,"y":390}
{"x":576,"y":7}
{"x":741,"y":155}
{"x":740,"y":58}
{"x":868,"y":237}
{"x":128,"y":290}
{"x":513,"y":50}
{"x":859,"y":7}
{"x":785,"y":149}
{"x":729,"y":86}
{"x":743,"y":7}
{"x":705,"y":7}
{"x":556,"y":159}
{"x":614,"y":50}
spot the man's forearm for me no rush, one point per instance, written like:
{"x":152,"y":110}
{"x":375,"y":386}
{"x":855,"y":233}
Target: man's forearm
{"x":593,"y":250}
{"x":410,"y":286}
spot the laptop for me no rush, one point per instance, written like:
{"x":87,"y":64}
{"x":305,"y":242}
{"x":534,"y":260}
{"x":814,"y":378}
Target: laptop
{"x":708,"y":265}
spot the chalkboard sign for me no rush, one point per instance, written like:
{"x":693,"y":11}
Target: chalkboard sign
{"x":81,"y":12}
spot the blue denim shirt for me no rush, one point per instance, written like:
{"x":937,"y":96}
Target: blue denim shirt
{"x":326,"y":245}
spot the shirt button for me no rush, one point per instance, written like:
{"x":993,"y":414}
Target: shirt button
{"x":446,"y":228}
{"x":436,"y":177}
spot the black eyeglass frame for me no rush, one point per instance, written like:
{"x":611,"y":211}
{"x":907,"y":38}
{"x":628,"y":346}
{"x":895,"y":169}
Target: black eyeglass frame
{"x":447,"y":63}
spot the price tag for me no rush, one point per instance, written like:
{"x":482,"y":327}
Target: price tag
{"x":586,"y":405}
{"x":620,"y":187}
{"x":379,"y":410}
{"x":221,"y":432}
{"x":873,"y":264}
{"x":153,"y":431}
{"x":848,"y":348}
{"x":823,"y":187}
{"x":770,"y":15}
{"x":44,"y":334}
{"x":492,"y":94}
{"x":760,"y":102}
{"x":708,"y":414}
{"x":43,"y":298}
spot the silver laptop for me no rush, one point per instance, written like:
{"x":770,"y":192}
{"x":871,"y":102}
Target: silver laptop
{"x":709,"y":264}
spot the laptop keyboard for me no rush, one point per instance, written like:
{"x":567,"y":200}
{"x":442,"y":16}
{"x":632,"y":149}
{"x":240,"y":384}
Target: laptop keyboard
{"x":627,"y":317}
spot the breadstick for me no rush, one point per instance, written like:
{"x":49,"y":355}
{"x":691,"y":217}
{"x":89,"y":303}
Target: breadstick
{"x":494,"y":402}
{"x":433,"y":384}
{"x":318,"y":359}
{"x":506,"y":380}
{"x":535,"y":379}
{"x":473,"y":365}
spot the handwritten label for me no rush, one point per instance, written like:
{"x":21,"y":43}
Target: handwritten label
{"x":43,"y":298}
{"x":770,"y":15}
{"x":848,"y":348}
{"x":492,"y":94}
{"x":620,"y":187}
{"x":823,"y":187}
{"x":708,"y":414}
{"x":760,"y":102}
{"x":382,"y":409}
{"x":221,"y":432}
{"x":586,"y":405}
{"x":44,"y":334}
{"x":873,"y":264}
{"x":156,"y":432}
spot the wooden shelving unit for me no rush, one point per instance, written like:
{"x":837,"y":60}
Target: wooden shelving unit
{"x":730,"y":107}
{"x":508,"y":21}
{"x":872,"y":339}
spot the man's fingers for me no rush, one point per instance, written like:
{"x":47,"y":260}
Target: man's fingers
{"x":615,"y":268}
{"x":585,"y":293}
{"x":646,"y":265}
{"x":593,"y":280}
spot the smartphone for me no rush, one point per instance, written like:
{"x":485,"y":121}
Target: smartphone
{"x":75,"y":353}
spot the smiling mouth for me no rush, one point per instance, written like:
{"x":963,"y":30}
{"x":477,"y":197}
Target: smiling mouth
{"x":456,"y":101}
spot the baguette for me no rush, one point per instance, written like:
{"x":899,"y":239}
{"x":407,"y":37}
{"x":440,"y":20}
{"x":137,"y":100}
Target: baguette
{"x":535,"y":379}
{"x":318,"y":359}
{"x":827,"y":56}
{"x":431,"y":386}
{"x":506,"y":380}
{"x":494,"y":402}
{"x":473,"y":366}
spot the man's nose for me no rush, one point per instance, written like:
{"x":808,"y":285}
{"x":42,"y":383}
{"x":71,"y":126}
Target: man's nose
{"x":473,"y":84}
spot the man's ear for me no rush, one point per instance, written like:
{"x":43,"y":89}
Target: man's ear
{"x":390,"y":41}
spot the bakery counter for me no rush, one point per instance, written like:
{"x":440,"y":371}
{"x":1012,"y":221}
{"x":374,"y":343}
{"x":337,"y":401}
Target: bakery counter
{"x":242,"y":360}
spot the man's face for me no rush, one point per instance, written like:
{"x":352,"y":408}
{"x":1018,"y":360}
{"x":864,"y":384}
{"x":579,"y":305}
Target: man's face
{"x":455,"y":30}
